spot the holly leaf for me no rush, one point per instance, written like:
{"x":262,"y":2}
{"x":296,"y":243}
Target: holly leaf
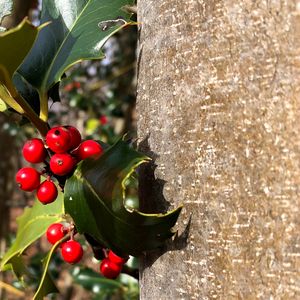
{"x":95,"y":196}
{"x":27,"y":91}
{"x":5,"y":8}
{"x":73,"y":35}
{"x":17,"y":266}
{"x":46,"y":285}
{"x":93,"y":281}
{"x":32,"y":225}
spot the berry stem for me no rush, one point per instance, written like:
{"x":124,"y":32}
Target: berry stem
{"x":105,"y":251}
{"x":73,"y":231}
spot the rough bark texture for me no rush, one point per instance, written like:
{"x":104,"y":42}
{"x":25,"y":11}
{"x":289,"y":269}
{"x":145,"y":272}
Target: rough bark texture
{"x":218,"y":106}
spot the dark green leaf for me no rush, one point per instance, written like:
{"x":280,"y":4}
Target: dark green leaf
{"x":95,"y":195}
{"x":46,"y":285}
{"x":26,"y":90}
{"x":93,"y":281}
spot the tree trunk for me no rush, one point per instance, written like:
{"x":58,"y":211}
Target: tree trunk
{"x":219,"y":110}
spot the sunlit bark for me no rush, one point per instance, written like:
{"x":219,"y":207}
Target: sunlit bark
{"x":218,"y":106}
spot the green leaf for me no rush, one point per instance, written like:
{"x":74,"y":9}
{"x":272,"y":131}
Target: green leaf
{"x":14,"y":46}
{"x":8,"y":100}
{"x":72,"y":36}
{"x":94,"y":282}
{"x":5,"y":8}
{"x":29,"y":93}
{"x":32,"y":225}
{"x":46,"y":285}
{"x":16,"y":264}
{"x":95,"y":195}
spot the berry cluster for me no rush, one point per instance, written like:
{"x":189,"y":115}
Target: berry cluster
{"x":72,"y":252}
{"x":62,"y":150}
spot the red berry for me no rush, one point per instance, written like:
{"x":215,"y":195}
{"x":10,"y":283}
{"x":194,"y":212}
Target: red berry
{"x":47,"y":192}
{"x":58,"y":139}
{"x":118,"y":260}
{"x":71,"y":251}
{"x":28,"y":179}
{"x":68,"y":87}
{"x":34,"y":151}
{"x":109,"y":269}
{"x":103,"y":120}
{"x":87,"y":149}
{"x":62,"y":164}
{"x":77,"y":84}
{"x":75,"y":137}
{"x":55,"y":233}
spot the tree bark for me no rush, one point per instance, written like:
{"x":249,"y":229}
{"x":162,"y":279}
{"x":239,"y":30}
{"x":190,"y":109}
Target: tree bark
{"x":219,"y":110}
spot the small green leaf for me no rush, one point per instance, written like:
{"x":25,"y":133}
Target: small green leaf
{"x":95,"y":195}
{"x":46,"y":285}
{"x":93,"y":281}
{"x":5,"y":8}
{"x":32,"y":225}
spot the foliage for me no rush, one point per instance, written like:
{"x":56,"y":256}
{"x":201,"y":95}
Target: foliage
{"x":66,"y":38}
{"x":98,"y":197}
{"x":103,"y":288}
{"x":95,"y":195}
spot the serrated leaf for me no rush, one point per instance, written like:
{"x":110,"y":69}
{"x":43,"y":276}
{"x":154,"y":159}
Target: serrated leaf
{"x":5,"y":8}
{"x":46,"y":285}
{"x":72,"y":36}
{"x":32,"y":225}
{"x":17,"y":266}
{"x":93,"y":281}
{"x":95,"y":195}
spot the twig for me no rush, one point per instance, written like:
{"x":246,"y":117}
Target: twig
{"x":11,"y":289}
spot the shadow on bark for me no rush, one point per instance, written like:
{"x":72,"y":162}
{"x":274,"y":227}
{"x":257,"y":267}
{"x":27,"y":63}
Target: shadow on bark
{"x":151,"y":188}
{"x":152,"y":200}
